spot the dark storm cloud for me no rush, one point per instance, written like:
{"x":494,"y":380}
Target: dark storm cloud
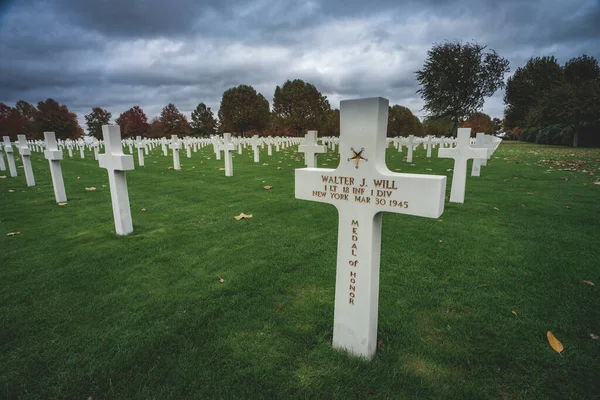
{"x":116,"y":53}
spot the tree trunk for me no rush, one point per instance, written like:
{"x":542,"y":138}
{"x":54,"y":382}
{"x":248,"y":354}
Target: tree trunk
{"x":454,"y":132}
{"x":576,"y":138}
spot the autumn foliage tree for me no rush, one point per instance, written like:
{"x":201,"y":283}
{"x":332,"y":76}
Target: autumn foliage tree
{"x":479,"y":122}
{"x":298,"y":105}
{"x":456,"y":78}
{"x":55,"y":117}
{"x":11,"y":121}
{"x":203,"y":121}
{"x":30,"y":114}
{"x":243,"y":109}
{"x":133,"y":122}
{"x":95,"y":120}
{"x":174,"y":122}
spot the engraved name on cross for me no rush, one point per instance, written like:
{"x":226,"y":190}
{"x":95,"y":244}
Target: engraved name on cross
{"x":361,"y":189}
{"x":54,"y":155}
{"x":117,"y":163}
{"x":461,"y":154}
{"x":310,"y":148}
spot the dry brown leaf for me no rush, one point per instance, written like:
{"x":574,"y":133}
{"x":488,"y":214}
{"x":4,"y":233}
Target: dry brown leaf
{"x":554,"y":342}
{"x":62,"y":204}
{"x":590,"y":283}
{"x":564,"y":178}
{"x":516,"y":315}
{"x":265,"y":164}
{"x":242,"y":216}
{"x":221,"y":280}
{"x":268,"y":187}
{"x":11,"y":191}
{"x":143,"y":209}
{"x":594,"y":337}
{"x":441,"y":241}
{"x":13,"y":233}
{"x":90,"y":189}
{"x":529,"y":192}
{"x":221,"y":169}
{"x":567,"y":206}
{"x":78,"y":177}
{"x":597,"y":183}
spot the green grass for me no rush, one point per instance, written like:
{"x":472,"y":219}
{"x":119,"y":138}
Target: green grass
{"x":84,"y":312}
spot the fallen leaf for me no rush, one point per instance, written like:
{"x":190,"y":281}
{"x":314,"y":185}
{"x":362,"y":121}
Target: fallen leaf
{"x":379,"y":344}
{"x":516,"y":315}
{"x":268,"y":187}
{"x":564,"y":179}
{"x":242,"y":216}
{"x":221,"y":280}
{"x":428,"y":169}
{"x":496,"y":208}
{"x":595,"y":337}
{"x":90,"y":189}
{"x":143,"y":209}
{"x":13,"y":233}
{"x":3,"y":177}
{"x":62,"y":204}
{"x":441,"y":241}
{"x":78,"y":177}
{"x":523,"y":205}
{"x":554,"y":342}
{"x":10,"y":191}
{"x":449,"y":169}
{"x":221,"y":169}
{"x":590,"y":283}
{"x":597,"y":183}
{"x":529,"y":192}
{"x":265,"y":164}
{"x":567,"y":206}
{"x":440,"y":220}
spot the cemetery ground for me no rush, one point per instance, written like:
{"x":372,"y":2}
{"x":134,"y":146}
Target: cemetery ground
{"x":195,"y":304}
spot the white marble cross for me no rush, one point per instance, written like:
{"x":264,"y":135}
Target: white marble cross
{"x":310,"y":148}
{"x":139,"y":145}
{"x":409,"y":148}
{"x":26,"y":158}
{"x":479,"y":143}
{"x":228,"y":147}
{"x":2,"y":163}
{"x":461,"y":154}
{"x":361,"y":189}
{"x":429,"y":146}
{"x":175,"y":146}
{"x":54,"y":155}
{"x":10,"y":156}
{"x":117,"y":163}
{"x":254,"y":143}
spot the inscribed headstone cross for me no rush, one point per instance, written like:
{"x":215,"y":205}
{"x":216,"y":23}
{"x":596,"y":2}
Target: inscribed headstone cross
{"x":361,"y":189}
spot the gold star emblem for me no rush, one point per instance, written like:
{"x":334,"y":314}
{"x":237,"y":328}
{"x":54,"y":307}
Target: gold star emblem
{"x":357,"y":156}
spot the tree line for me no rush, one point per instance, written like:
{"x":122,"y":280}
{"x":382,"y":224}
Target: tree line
{"x":545,"y":103}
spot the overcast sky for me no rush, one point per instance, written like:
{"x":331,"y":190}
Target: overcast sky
{"x":119,"y":53}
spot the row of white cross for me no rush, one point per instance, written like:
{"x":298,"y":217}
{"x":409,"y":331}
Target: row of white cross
{"x":361,"y":188}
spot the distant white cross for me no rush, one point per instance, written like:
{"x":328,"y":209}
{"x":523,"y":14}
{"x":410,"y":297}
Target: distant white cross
{"x":361,"y":189}
{"x":175,"y":146}
{"x":310,"y":148}
{"x":409,"y":146}
{"x":54,"y":155}
{"x":2,"y":164}
{"x":461,"y":154}
{"x":255,"y":144}
{"x":26,"y":158}
{"x":228,"y":147}
{"x":117,"y":163}
{"x":139,"y":145}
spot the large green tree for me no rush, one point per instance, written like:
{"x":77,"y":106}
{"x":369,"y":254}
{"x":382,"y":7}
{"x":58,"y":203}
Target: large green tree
{"x":55,"y":117}
{"x":203,"y":121}
{"x":527,"y":86}
{"x":332,"y":125}
{"x":573,"y":104}
{"x":95,"y":120}
{"x":457,"y":77}
{"x":437,"y":126}
{"x":298,"y":105}
{"x":402,"y":122}
{"x":173,"y":121}
{"x":242,"y":109}
{"x":133,"y":122}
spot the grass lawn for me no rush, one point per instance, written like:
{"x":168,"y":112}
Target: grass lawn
{"x":465,"y":301}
